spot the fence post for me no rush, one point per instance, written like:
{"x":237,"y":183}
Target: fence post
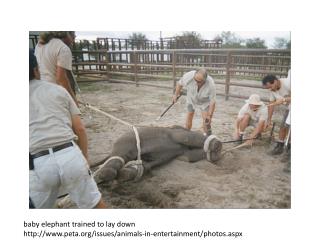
{"x":108,"y":66}
{"x":174,"y":71}
{"x":227,"y":87}
{"x":135,"y":60}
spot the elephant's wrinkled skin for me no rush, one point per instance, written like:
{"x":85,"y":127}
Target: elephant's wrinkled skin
{"x":159,"y":145}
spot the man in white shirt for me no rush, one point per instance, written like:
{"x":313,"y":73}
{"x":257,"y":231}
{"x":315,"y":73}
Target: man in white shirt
{"x":55,"y":160}
{"x":201,"y":93}
{"x":280,"y":94}
{"x":253,"y":113}
{"x":55,"y":59}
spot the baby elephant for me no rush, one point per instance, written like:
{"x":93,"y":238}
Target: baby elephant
{"x":158,"y":145}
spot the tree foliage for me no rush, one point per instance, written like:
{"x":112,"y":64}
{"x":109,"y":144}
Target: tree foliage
{"x":255,"y":43}
{"x":281,"y":43}
{"x":189,"y":39}
{"x":138,"y":39}
{"x":137,"y":36}
{"x":288,"y":46}
{"x":230,"y":40}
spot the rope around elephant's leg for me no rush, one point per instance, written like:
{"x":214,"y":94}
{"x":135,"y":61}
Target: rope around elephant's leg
{"x":206,"y":146}
{"x":138,"y":162}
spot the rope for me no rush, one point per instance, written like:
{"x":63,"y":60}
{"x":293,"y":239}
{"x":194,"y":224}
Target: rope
{"x":206,"y":146}
{"x":108,"y":115}
{"x":115,"y":157}
{"x":138,"y":142}
{"x":137,"y":164}
{"x":106,"y":162}
{"x":236,"y":147}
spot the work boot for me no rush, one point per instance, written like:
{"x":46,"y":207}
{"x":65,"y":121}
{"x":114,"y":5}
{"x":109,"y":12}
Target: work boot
{"x":259,"y":136}
{"x":207,"y":128}
{"x":278,"y":149}
{"x":240,"y":139}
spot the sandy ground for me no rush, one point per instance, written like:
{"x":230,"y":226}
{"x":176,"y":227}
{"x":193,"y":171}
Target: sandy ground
{"x":243,"y":178}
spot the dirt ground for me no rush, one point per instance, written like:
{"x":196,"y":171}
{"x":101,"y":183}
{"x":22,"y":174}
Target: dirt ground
{"x":244,"y":178}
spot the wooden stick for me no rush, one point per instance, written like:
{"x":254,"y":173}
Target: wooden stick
{"x":236,"y":147}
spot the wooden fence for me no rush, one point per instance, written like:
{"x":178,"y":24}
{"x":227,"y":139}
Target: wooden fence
{"x":225,"y":65}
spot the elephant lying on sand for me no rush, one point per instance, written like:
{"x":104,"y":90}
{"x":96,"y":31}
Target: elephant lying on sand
{"x":159,"y":145}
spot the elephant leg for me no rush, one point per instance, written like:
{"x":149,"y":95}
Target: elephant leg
{"x":108,"y":171}
{"x":196,"y":140}
{"x":193,"y":155}
{"x":161,"y":159}
{"x":130,"y":172}
{"x":188,"y":138}
{"x":212,"y":148}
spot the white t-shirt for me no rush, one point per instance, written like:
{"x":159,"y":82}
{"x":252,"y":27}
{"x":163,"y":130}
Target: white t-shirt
{"x":49,"y":56}
{"x":206,"y":94}
{"x":50,"y":116}
{"x":284,"y":91}
{"x":260,"y":115}
{"x":288,"y":120}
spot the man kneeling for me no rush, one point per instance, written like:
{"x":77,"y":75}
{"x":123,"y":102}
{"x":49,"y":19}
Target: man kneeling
{"x":253,"y":113}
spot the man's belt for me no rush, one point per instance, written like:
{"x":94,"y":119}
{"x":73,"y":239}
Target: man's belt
{"x":54,"y":149}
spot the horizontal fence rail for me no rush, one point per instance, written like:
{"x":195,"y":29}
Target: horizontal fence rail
{"x":170,"y":64}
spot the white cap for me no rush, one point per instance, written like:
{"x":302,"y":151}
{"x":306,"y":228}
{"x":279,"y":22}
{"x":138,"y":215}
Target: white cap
{"x":254,"y":99}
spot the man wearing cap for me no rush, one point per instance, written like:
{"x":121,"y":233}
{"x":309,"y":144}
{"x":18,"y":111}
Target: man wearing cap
{"x":55,"y":59}
{"x":280,"y":94}
{"x":253,"y":113}
{"x":201,"y":93}
{"x":55,"y":160}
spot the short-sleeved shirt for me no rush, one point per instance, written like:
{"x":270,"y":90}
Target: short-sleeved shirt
{"x":201,"y":98}
{"x":49,"y":56}
{"x":50,"y":116}
{"x":260,"y":115}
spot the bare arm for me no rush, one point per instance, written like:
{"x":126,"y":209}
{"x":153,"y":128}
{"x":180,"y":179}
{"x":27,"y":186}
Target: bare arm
{"x":80,"y":131}
{"x":177,"y":93}
{"x":270,"y":113}
{"x":212,"y":107}
{"x":62,"y":79}
{"x":237,"y":128}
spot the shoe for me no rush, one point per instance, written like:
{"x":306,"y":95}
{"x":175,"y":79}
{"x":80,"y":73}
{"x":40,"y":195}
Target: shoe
{"x":259,"y":136}
{"x":278,"y":149}
{"x":240,"y":138}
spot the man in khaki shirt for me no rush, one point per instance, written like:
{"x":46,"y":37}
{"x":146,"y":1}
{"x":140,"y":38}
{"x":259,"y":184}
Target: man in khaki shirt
{"x":280,"y":96}
{"x":57,"y":161}
{"x":253,"y":113}
{"x":201,"y":93}
{"x":55,"y":59}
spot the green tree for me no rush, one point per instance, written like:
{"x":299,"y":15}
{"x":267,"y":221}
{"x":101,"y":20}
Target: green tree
{"x":187,"y":39}
{"x":138,"y":39}
{"x":288,"y":46}
{"x":230,"y":40}
{"x":281,"y":43}
{"x":255,"y":43}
